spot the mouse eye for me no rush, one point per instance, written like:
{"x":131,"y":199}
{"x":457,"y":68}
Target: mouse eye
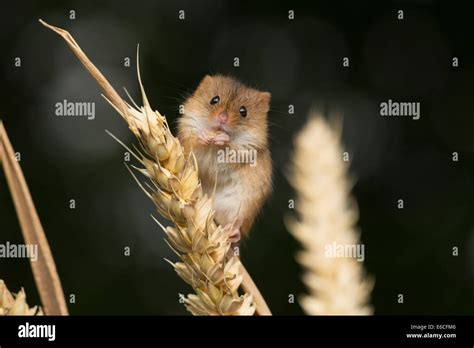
{"x":243,"y":111}
{"x":215,"y":100}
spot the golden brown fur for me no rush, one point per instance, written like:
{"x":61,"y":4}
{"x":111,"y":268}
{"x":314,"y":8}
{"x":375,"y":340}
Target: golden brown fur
{"x":241,"y":189}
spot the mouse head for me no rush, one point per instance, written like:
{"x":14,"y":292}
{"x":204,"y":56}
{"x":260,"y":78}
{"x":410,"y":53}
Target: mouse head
{"x":221,"y":103}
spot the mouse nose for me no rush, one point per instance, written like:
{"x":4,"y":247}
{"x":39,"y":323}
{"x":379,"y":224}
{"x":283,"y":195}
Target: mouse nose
{"x":222,"y":117}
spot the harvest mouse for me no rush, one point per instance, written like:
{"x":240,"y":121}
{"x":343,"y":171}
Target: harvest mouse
{"x":225,"y":124}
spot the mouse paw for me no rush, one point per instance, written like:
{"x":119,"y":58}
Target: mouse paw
{"x":205,"y":137}
{"x":235,"y":235}
{"x":221,"y":139}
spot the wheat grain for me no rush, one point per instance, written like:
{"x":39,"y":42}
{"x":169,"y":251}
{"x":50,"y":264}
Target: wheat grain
{"x":15,"y":304}
{"x":337,"y":285}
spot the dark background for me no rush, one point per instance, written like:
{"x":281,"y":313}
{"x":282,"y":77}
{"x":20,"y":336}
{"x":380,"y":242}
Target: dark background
{"x":408,"y":251}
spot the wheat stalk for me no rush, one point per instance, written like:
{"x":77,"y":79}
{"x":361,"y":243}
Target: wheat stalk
{"x":44,"y":269}
{"x":202,"y":246}
{"x":15,"y":304}
{"x":326,"y":215}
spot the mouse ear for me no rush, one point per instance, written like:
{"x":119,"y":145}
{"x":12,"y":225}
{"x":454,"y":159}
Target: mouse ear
{"x":265,"y":97}
{"x":206,"y":81}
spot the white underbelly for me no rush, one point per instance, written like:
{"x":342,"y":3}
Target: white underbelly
{"x":228,"y":194}
{"x":227,"y":203}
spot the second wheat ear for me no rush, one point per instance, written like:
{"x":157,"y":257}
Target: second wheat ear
{"x":206,"y":263}
{"x":327,"y":216}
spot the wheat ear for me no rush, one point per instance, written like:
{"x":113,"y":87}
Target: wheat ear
{"x":198,"y":241}
{"x":326,"y":215}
